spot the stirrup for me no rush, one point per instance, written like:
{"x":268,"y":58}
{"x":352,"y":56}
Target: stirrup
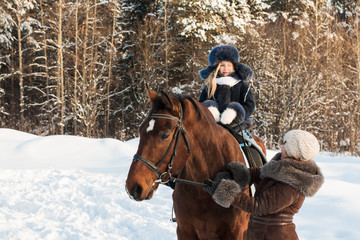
{"x":172,"y":219}
{"x":248,"y":138}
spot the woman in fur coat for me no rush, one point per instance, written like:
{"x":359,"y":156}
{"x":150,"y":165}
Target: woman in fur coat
{"x":227,"y":93}
{"x":281,"y":187}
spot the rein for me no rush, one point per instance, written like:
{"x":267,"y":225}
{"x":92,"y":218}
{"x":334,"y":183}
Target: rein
{"x":174,"y":142}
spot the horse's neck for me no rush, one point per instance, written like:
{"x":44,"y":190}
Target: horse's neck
{"x":212,"y":145}
{"x":214,"y":148}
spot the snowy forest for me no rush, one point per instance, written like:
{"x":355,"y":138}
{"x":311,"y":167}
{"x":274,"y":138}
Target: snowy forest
{"x":80,"y":67}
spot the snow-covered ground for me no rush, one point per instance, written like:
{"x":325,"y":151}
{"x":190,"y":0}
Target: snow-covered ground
{"x":66,"y":187}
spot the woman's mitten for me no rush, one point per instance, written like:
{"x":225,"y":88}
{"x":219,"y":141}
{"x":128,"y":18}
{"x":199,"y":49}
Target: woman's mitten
{"x":226,"y":193}
{"x":239,"y":172}
{"x":213,"y":183}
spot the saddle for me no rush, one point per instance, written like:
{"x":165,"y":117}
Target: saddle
{"x":252,"y":152}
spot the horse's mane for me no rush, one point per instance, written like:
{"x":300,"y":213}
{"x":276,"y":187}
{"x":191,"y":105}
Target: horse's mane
{"x":181,"y":99}
{"x":197,"y":109}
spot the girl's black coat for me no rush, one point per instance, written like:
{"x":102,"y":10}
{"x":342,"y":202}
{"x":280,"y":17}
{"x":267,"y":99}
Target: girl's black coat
{"x":240,"y":93}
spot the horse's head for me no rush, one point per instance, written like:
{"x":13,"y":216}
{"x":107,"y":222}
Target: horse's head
{"x":161,"y":136}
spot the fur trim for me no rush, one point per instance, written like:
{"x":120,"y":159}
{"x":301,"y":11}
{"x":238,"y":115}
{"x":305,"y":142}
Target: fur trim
{"x":213,"y":107}
{"x":228,"y":80}
{"x":277,"y":156}
{"x":228,"y":116}
{"x":240,"y":111}
{"x":204,"y":73}
{"x":244,"y":72}
{"x":305,"y":176}
{"x":223,"y":53}
{"x":211,"y":103}
{"x":226,"y":53}
{"x":240,"y":173}
{"x":226,"y":192}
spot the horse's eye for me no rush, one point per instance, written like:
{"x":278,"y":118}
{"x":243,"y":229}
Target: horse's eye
{"x":164,"y":135}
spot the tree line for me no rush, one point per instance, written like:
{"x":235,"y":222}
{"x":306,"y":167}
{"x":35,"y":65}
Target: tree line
{"x":80,"y":66}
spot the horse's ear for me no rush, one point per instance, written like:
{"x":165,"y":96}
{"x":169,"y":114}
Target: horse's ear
{"x":166,"y":100}
{"x":152,"y":94}
{"x":170,"y":102}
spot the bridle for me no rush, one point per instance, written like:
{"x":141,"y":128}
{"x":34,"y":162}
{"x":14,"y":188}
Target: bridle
{"x":165,"y":177}
{"x":179,"y":130}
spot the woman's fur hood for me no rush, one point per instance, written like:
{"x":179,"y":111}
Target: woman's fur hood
{"x":305,"y":176}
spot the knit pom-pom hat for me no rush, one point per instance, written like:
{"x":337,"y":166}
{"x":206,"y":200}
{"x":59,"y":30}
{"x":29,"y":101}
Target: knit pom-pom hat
{"x":301,"y":145}
{"x":226,"y":53}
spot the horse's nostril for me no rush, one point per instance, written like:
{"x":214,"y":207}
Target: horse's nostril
{"x":136,"y":192}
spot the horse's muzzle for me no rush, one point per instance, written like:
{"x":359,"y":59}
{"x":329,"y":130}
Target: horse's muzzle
{"x":135,"y":192}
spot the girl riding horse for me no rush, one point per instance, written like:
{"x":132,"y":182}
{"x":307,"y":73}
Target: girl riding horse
{"x":181,"y":140}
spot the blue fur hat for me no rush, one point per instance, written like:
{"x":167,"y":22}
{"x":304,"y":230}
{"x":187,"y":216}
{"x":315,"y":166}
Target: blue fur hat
{"x":226,"y":53}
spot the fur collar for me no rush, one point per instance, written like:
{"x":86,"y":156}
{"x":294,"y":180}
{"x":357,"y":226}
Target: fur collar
{"x":305,"y":176}
{"x":228,"y":80}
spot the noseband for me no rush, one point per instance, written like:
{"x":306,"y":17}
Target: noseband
{"x":175,"y":140}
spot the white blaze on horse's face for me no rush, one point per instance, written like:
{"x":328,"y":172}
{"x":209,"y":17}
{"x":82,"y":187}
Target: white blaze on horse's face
{"x":151,"y":125}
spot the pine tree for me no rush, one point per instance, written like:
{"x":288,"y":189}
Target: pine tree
{"x":18,"y":18}
{"x":345,"y":8}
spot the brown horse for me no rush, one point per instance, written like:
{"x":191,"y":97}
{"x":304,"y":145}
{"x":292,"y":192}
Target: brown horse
{"x":184,"y":126}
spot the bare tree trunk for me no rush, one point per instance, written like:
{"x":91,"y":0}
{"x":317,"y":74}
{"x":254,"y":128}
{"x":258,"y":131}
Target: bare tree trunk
{"x":45,"y":60}
{"x":110,"y":74}
{"x":85,"y":53}
{"x":76,"y":65}
{"x":60,"y":90}
{"x":85,"y":73}
{"x":93,"y":46}
{"x":166,"y":46}
{"x":12,"y":83}
{"x":20,"y":72}
{"x":355,"y":114}
{"x":317,"y":27}
{"x":92,"y":78}
{"x":283,"y":80}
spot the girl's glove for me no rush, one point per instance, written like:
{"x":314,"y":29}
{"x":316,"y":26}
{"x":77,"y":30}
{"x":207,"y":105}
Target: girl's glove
{"x":213,"y":183}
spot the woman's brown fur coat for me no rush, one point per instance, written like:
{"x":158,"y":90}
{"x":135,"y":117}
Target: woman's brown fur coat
{"x":281,"y":187}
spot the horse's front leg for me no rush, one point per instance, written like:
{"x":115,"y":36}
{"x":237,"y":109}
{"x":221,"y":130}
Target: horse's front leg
{"x":190,"y":233}
{"x":186,"y":233}
{"x":193,"y":235}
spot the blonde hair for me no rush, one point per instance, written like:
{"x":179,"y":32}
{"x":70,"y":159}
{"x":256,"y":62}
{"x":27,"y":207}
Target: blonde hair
{"x":211,"y":82}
